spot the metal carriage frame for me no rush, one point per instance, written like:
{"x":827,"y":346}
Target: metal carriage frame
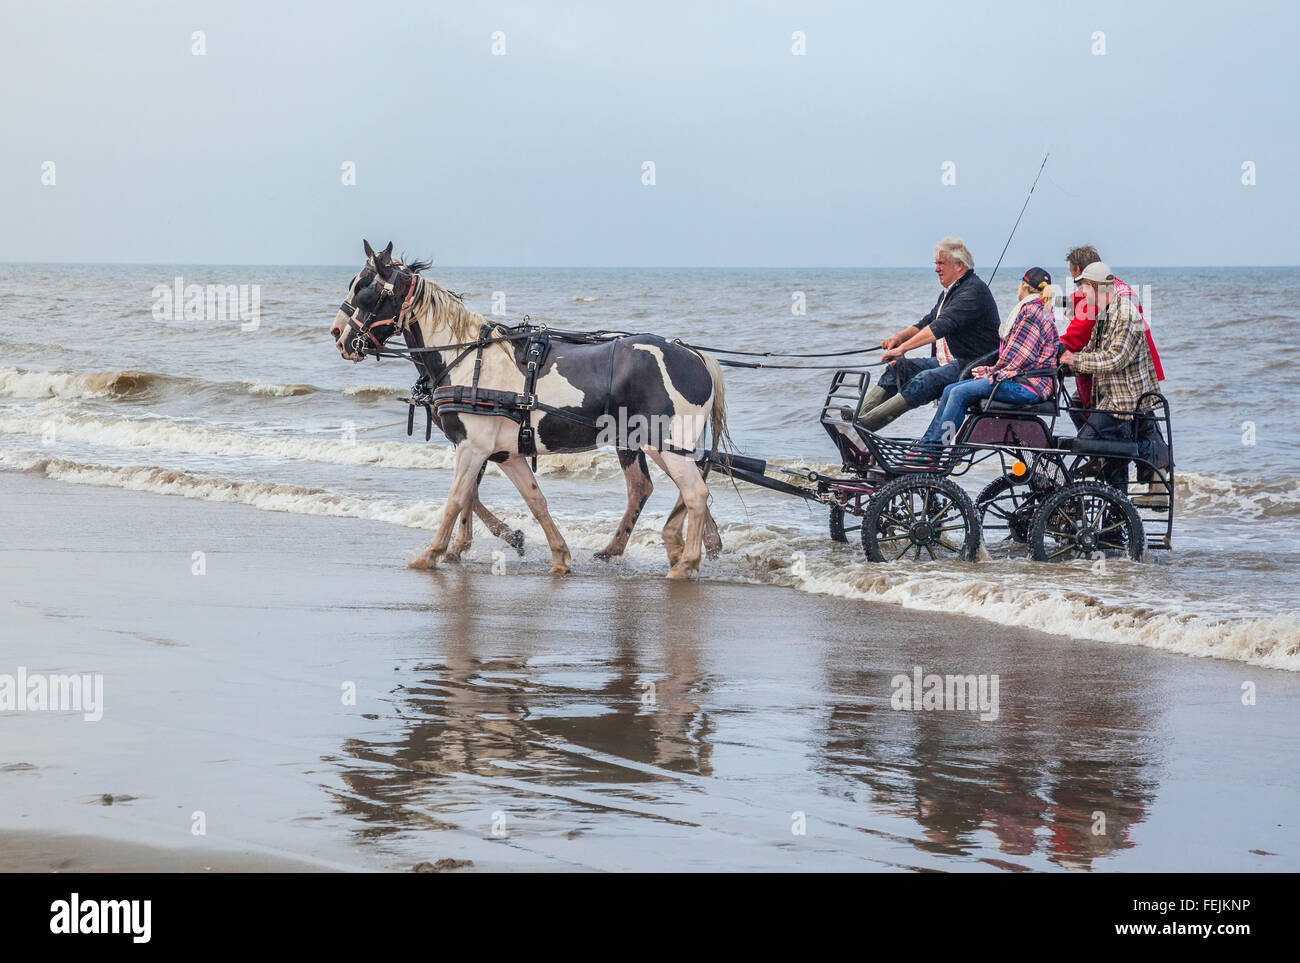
{"x":1049,"y":493}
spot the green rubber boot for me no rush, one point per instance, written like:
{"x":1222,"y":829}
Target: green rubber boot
{"x":881,"y":415}
{"x":875,"y":395}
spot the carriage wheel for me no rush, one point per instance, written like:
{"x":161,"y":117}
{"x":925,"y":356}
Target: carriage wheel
{"x":1083,"y":520}
{"x":1001,"y":505}
{"x":925,"y":516}
{"x":838,"y":532}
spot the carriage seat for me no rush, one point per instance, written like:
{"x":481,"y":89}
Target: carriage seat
{"x":1101,"y":446}
{"x":1046,"y":407}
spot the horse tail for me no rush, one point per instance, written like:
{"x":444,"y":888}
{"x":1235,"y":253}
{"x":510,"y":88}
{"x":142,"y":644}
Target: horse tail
{"x":721,"y":436}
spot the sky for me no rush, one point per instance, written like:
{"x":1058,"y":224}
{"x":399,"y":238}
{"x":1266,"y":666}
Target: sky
{"x":535,"y":156}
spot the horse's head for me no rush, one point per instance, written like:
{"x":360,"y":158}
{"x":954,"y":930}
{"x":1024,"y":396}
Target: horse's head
{"x":371,"y":314}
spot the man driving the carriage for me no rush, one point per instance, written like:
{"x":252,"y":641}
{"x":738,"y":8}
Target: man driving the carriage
{"x":961,"y":327}
{"x":1119,"y":361}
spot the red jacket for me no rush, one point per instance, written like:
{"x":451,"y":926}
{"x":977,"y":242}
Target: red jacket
{"x":1079,"y":332}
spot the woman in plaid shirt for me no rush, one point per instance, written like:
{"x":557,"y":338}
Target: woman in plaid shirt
{"x":1029,"y":340}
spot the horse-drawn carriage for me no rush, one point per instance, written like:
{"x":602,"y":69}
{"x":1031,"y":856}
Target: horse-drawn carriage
{"x":517,"y":398}
{"x":1048,"y":492}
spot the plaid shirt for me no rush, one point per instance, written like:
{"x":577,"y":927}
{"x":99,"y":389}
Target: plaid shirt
{"x":1031,"y":343}
{"x":1118,"y":359}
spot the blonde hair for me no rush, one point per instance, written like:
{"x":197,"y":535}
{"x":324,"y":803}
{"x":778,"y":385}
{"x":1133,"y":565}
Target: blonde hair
{"x":955,"y":247}
{"x":1044,"y":291}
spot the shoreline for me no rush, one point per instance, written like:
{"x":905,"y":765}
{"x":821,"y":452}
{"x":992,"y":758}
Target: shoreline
{"x":522,"y":699}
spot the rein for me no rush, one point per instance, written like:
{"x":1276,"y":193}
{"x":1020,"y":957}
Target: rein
{"x":601,"y":336}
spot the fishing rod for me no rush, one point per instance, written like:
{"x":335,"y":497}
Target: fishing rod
{"x":1022,"y":214}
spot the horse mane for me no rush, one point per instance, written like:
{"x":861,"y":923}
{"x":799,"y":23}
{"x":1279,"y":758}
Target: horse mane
{"x":442,"y":308}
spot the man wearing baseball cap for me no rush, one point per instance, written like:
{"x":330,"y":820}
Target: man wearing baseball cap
{"x":1119,"y":361}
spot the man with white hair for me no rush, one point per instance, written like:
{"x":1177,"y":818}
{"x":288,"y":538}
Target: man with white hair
{"x":962,"y":327}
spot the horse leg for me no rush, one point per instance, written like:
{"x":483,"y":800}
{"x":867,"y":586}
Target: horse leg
{"x":639,"y":486}
{"x":515,"y":538}
{"x":464,"y":535}
{"x":516,"y":469}
{"x":464,"y":486}
{"x":695,"y":498}
{"x":465,"y":530}
{"x":672,"y":532}
{"x":673,"y":540}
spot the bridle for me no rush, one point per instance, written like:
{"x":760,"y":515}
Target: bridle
{"x":370,"y":330}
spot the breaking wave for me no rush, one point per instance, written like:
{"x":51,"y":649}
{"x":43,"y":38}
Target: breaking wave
{"x":92,"y":385}
{"x":18,"y":383}
{"x":267,"y":496}
{"x":1271,"y":642}
{"x":375,"y":392}
{"x":1232,"y":495}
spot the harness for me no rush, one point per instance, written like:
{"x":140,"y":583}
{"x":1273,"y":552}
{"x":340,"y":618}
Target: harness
{"x":436,"y":398}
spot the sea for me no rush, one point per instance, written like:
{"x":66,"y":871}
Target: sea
{"x":106,"y":379}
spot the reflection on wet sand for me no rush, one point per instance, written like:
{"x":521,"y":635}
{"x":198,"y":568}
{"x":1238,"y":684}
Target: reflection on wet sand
{"x":605,"y":725}
{"x":614,"y":727}
{"x":1066,"y":771}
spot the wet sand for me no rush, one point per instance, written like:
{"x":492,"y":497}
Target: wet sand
{"x":22,"y":852}
{"x":600,"y":721}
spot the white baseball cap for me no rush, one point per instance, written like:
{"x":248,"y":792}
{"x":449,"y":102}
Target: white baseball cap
{"x":1097,"y":272}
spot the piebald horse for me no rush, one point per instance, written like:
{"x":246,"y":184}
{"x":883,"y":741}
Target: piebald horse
{"x":580,"y":390}
{"x":465,"y":530}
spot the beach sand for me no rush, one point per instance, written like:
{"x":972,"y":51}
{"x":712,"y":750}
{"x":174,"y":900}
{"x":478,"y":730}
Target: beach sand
{"x":602,"y":720}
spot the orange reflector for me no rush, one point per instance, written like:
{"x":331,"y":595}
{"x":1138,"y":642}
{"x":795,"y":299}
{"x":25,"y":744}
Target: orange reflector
{"x":1019,"y":468}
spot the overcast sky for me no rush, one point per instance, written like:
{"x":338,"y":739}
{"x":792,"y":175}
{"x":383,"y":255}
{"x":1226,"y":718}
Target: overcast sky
{"x":762,"y":157}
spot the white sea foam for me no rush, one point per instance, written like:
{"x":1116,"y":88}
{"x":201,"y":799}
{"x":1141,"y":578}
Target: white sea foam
{"x":1271,"y":642}
{"x":278,"y":391}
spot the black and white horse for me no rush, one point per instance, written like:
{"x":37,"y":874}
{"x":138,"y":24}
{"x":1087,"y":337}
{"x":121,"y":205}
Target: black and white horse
{"x":465,"y":530}
{"x":587,"y":395}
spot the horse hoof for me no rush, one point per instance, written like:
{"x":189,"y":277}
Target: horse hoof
{"x":677,"y":573}
{"x":516,"y":541}
{"x":559,"y":570}
{"x":424,"y":563}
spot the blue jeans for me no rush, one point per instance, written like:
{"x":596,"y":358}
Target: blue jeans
{"x":920,"y":380}
{"x":955,"y":398}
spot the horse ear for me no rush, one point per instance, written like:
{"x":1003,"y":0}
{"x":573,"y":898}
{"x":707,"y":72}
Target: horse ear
{"x":370,"y":252}
{"x":388,"y":251}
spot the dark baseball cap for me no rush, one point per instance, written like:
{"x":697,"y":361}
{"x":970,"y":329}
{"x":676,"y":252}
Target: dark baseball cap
{"x":1035,"y":277}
